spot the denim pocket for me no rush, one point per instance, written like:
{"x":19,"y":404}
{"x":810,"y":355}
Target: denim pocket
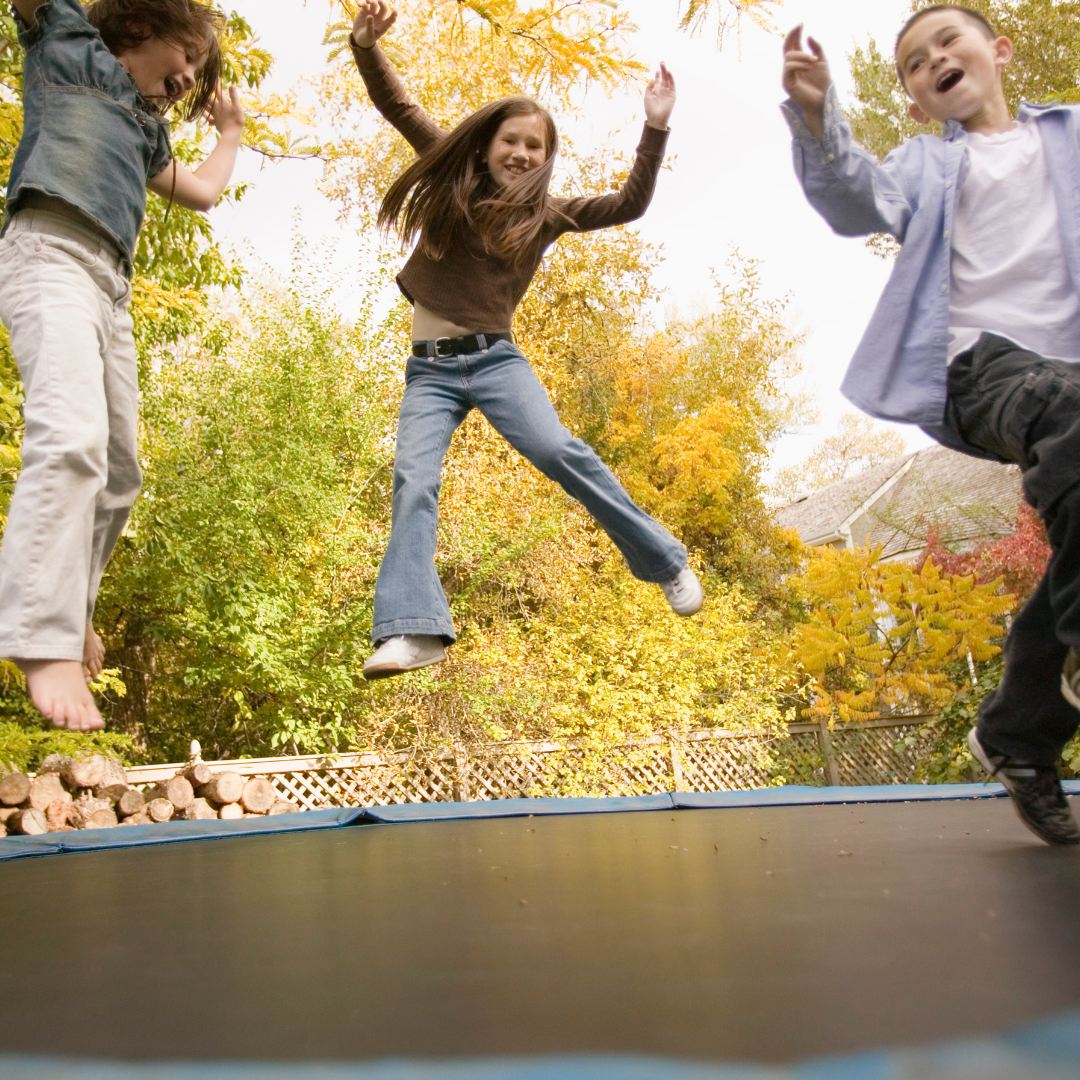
{"x":1023,"y":411}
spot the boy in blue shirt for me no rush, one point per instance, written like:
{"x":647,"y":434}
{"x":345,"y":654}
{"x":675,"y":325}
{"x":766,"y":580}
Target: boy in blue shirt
{"x":97,"y":85}
{"x":977,"y":335}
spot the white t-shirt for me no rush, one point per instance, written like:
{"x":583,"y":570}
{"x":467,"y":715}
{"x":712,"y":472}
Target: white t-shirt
{"x":1009,"y":275}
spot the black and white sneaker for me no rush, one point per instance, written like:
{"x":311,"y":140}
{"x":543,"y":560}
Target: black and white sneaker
{"x":1035,"y":791}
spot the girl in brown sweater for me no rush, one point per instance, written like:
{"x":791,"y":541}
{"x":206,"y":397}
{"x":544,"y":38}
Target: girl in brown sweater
{"x":476,"y":201}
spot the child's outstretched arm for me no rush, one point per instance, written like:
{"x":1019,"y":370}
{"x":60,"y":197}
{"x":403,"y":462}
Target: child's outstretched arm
{"x":201,"y":189}
{"x":851,"y":190}
{"x":384,"y":86}
{"x":633,"y":198}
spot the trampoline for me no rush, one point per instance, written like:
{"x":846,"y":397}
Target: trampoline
{"x":533,"y":938}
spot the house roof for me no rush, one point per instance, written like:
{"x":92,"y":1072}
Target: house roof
{"x":966,"y":499}
{"x":821,"y":513}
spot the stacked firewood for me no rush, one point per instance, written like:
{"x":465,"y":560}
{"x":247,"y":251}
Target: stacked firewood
{"x":93,"y":793}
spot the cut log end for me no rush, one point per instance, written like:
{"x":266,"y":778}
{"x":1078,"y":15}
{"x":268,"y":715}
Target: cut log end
{"x":199,"y":810}
{"x":259,"y":795}
{"x":29,"y":822}
{"x":223,"y":787}
{"x":45,"y":790}
{"x":160,"y":810}
{"x":131,"y":802}
{"x":231,"y":811}
{"x":283,"y":806}
{"x":102,"y":819}
{"x":14,"y":788}
{"x":198,"y":774}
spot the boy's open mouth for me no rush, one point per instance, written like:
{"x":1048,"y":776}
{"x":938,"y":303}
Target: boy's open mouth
{"x":948,"y":81}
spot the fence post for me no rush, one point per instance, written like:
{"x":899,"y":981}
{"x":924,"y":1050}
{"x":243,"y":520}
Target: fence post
{"x":676,"y":760}
{"x":461,"y":782}
{"x":832,"y":773}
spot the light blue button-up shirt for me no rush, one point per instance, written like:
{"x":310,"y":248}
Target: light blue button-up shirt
{"x":899,"y":370}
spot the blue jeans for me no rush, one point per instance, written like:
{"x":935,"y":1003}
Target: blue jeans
{"x":439,"y":393}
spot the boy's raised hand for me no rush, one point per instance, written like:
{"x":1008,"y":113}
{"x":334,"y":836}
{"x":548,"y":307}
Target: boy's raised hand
{"x":659,"y":99}
{"x":806,"y":78}
{"x":373,"y":19}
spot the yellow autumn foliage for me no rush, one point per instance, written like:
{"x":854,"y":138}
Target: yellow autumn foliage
{"x":880,"y":638}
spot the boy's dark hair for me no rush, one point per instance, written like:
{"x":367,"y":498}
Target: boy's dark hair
{"x":448,"y":191}
{"x":971,"y":13}
{"x":126,"y":24}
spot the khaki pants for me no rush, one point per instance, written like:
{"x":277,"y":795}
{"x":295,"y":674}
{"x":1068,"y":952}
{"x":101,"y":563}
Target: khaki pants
{"x":65,"y":303}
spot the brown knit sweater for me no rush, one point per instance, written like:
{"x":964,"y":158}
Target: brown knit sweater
{"x":469,"y":286}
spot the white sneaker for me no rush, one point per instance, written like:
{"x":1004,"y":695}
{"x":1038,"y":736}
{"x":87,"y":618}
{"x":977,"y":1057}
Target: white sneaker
{"x":406,"y":652}
{"x":684,"y":593}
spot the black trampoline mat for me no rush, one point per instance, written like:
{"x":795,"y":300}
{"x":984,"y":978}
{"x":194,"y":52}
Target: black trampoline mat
{"x":758,"y":934}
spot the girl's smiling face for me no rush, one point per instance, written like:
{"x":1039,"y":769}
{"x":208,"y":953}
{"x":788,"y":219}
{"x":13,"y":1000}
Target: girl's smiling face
{"x":518,"y":146}
{"x":164,"y":71}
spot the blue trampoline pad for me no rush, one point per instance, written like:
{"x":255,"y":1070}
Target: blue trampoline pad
{"x":1049,"y":1050}
{"x":15,"y":847}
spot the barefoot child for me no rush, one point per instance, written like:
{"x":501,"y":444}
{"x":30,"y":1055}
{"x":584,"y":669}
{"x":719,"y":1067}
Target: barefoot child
{"x":476,"y":199}
{"x":977,"y":336}
{"x":97,"y":85}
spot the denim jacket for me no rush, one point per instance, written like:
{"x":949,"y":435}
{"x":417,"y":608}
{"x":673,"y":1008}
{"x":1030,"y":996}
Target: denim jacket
{"x":89,"y":137}
{"x":899,"y":370}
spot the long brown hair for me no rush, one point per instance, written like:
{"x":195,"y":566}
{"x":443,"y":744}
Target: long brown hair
{"x":126,"y":24}
{"x":448,"y":191}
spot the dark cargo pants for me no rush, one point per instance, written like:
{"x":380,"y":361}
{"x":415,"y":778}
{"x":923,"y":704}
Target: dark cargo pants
{"x":1025,"y":409}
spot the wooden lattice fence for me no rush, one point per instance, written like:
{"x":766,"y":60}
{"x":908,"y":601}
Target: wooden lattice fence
{"x":698,"y":761}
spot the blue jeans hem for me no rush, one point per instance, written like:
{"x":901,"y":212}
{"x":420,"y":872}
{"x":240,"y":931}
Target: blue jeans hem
{"x":432,"y":627}
{"x":672,"y":571}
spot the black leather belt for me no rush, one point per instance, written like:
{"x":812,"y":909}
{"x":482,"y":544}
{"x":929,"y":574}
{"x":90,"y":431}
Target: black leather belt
{"x":451,"y":346}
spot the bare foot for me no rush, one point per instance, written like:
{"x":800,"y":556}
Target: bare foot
{"x":59,"y":692}
{"x":93,"y":653}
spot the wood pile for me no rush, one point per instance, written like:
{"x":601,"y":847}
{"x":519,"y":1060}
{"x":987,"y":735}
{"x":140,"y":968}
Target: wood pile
{"x":93,"y":793}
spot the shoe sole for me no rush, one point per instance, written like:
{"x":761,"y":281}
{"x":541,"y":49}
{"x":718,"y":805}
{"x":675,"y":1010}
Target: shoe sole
{"x":700,"y":605}
{"x":980,"y":755}
{"x":386,"y":671}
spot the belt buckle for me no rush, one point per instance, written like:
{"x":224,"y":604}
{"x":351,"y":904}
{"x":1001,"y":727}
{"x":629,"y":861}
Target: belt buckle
{"x":446,"y":343}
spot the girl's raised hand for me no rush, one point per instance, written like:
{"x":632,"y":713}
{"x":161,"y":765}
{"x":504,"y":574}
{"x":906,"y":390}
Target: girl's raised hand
{"x":659,"y":99}
{"x":373,"y":19}
{"x":226,"y":114}
{"x":806,"y":77}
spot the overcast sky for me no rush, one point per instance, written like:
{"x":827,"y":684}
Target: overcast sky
{"x":731,"y":185}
